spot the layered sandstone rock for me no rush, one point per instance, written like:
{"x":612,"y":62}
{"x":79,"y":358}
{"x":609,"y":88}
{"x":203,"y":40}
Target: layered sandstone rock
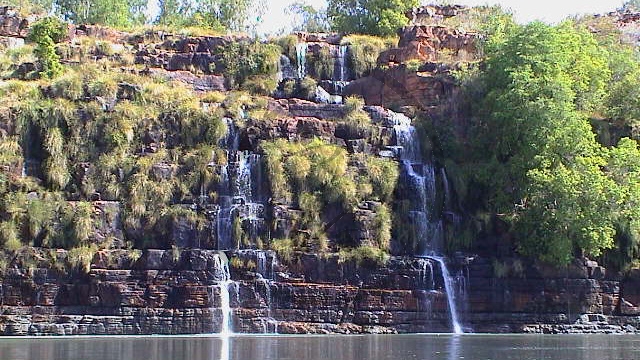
{"x":165,"y":292}
{"x":429,"y":43}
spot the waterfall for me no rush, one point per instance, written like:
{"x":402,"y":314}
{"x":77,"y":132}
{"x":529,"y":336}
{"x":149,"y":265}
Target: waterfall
{"x":221,"y":269}
{"x":243,"y":178}
{"x":232,"y":137}
{"x":225,"y":306}
{"x":266,"y":270}
{"x":301,"y":59}
{"x":342,"y":57}
{"x":451,"y":294}
{"x":420,"y":180}
{"x":427,"y":274}
{"x":285,"y":69}
{"x":406,"y":138}
{"x":240,"y":198}
{"x":270,"y":320}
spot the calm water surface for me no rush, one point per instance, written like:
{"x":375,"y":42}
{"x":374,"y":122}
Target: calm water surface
{"x":370,"y":347}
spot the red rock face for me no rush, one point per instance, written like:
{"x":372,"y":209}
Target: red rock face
{"x":425,"y":42}
{"x":397,"y":87}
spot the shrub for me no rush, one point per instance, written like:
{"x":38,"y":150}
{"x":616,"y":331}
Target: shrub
{"x":82,"y":221}
{"x":9,"y":236}
{"x":56,"y":165}
{"x":364,"y":255}
{"x":103,"y":86}
{"x":413,"y":65}
{"x":322,"y":63}
{"x":284,"y":248}
{"x":288,"y":46}
{"x":357,"y":120}
{"x":213,"y":97}
{"x":244,"y":59}
{"x":364,"y":51}
{"x":382,"y":226}
{"x":383,"y":174}
{"x":260,"y":84}
{"x":304,"y":88}
{"x":45,"y":33}
{"x":80,"y":258}
{"x":68,"y":86}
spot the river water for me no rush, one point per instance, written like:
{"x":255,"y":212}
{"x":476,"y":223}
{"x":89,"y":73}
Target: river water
{"x":353,"y":347}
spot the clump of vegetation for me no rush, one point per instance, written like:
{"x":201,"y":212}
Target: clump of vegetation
{"x":80,"y":258}
{"x":364,"y":51}
{"x":356,"y":119}
{"x":317,"y":176}
{"x":10,"y":59}
{"x":243,"y":60}
{"x":321,"y":64}
{"x":260,"y":84}
{"x":287,"y":45}
{"x":46,"y":33}
{"x":284,"y":248}
{"x":304,"y":88}
{"x":364,"y":255}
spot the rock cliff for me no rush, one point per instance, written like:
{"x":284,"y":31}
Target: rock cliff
{"x":180,"y":281}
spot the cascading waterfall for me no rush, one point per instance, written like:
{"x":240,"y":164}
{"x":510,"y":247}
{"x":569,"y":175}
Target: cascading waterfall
{"x":222,"y":272}
{"x":323,"y":96}
{"x":427,"y":274}
{"x":421,"y":181}
{"x":285,"y":69}
{"x":451,"y":294}
{"x":240,"y":193}
{"x":266,"y":270}
{"x":301,"y":59}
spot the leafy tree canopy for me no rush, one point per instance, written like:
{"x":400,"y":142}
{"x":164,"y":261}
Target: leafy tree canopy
{"x":311,"y":20}
{"x":119,"y":13}
{"x":374,"y":17}
{"x":539,"y":158}
{"x":216,"y":14}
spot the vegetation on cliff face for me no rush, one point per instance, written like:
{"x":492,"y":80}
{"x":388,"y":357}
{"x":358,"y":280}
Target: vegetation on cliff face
{"x":536,"y":169}
{"x":318,"y":176}
{"x":85,"y":138}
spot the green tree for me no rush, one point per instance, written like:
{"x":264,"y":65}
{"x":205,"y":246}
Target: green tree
{"x":375,"y":17}
{"x":230,"y":15}
{"x":119,"y":13}
{"x":624,"y":169}
{"x":311,"y":20}
{"x":538,"y":156}
{"x":171,"y":11}
{"x":45,"y":33}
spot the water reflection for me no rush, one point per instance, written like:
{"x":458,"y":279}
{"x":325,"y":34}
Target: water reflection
{"x":225,"y":348}
{"x":454,"y":347}
{"x":371,"y":347}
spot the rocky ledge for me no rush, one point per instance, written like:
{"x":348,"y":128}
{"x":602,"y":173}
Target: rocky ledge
{"x":171,"y":292}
